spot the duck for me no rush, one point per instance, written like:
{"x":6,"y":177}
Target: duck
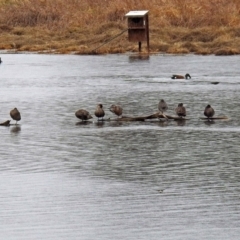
{"x":82,"y":114}
{"x":187,"y":76}
{"x":15,"y":115}
{"x":99,"y":112}
{"x":181,"y":110}
{"x":162,"y":106}
{"x":209,"y":111}
{"x":6,"y":123}
{"x":116,"y":110}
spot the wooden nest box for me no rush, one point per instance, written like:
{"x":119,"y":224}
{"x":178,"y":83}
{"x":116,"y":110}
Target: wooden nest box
{"x":138,"y":28}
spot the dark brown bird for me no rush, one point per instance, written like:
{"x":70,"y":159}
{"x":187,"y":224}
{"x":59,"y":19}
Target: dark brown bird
{"x":187,"y":76}
{"x":162,"y":106}
{"x":15,"y":115}
{"x":83,"y":114}
{"x":116,"y":110}
{"x":99,"y":112}
{"x":180,"y":110}
{"x":209,"y":111}
{"x":6,"y":123}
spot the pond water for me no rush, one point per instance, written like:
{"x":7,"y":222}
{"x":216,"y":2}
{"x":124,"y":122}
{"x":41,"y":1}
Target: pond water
{"x":61,"y":179}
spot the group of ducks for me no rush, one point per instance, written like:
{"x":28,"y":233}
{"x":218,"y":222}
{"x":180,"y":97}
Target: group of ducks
{"x":84,"y":115}
{"x":181,"y":110}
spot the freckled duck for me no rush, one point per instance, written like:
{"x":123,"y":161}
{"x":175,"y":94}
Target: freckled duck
{"x":116,"y":110}
{"x":180,"y":110}
{"x":15,"y":115}
{"x":83,"y":114}
{"x":99,"y":112}
{"x":162,"y":106}
{"x":209,"y":111}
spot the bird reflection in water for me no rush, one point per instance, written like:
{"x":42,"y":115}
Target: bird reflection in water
{"x":99,"y":123}
{"x":82,"y":123}
{"x":15,"y":129}
{"x":181,"y":122}
{"x":138,"y":57}
{"x":116,"y":123}
{"x":209,"y":122}
{"x":163,"y":123}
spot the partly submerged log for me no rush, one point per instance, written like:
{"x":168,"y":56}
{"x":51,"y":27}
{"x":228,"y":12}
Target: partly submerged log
{"x":6,"y":123}
{"x":176,"y":118}
{"x":215,"y":118}
{"x":156,"y":115}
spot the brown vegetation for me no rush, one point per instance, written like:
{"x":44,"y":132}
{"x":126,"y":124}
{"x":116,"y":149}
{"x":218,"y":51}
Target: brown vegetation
{"x":176,"y":26}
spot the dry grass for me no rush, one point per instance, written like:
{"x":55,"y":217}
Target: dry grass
{"x":176,"y":26}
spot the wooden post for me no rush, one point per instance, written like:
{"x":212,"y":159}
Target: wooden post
{"x":139,"y":46}
{"x":147,"y":29}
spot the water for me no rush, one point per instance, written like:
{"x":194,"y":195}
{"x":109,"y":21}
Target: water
{"x":60,"y":179}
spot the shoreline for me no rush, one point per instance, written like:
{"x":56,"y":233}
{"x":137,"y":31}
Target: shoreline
{"x":100,"y":27}
{"x":9,"y":51}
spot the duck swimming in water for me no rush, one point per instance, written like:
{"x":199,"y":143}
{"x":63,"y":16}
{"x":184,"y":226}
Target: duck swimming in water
{"x":116,"y":110}
{"x":162,"y":106}
{"x":99,"y":112}
{"x":175,"y":76}
{"x":209,"y":111}
{"x":83,"y":114}
{"x":180,"y":110}
{"x":15,"y":115}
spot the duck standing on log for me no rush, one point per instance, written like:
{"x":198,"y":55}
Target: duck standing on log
{"x":83,"y":114}
{"x":181,"y":110}
{"x":99,"y":112}
{"x":116,"y":110}
{"x":162,"y":106}
{"x":15,"y":115}
{"x":209,"y":111}
{"x":175,"y":76}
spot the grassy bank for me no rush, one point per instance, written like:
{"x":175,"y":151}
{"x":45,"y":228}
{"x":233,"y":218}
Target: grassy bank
{"x":176,"y":26}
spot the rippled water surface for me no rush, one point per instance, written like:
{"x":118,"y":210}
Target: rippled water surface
{"x":63,"y":179}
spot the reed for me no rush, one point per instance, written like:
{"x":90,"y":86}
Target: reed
{"x":176,"y":26}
